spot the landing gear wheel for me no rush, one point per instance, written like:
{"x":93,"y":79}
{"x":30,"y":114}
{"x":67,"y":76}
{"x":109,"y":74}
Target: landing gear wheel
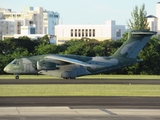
{"x":16,"y":77}
{"x":69,"y":78}
{"x":65,"y":78}
{"x":72,"y":78}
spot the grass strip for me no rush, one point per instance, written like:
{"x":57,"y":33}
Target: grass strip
{"x":85,"y":77}
{"x":80,"y":90}
{"x":27,"y":77}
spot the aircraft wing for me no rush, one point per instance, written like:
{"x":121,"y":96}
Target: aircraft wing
{"x":68,"y":60}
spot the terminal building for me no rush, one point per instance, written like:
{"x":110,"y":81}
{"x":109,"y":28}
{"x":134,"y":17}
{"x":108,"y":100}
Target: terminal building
{"x":107,"y":31}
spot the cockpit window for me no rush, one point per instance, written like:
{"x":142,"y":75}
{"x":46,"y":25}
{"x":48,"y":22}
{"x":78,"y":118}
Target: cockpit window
{"x":15,"y":62}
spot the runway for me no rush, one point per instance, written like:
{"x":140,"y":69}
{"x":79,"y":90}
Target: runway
{"x":84,"y":102}
{"x":79,"y":81}
{"x":79,"y":107}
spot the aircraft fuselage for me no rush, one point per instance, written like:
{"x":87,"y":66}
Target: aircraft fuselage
{"x":38,"y":64}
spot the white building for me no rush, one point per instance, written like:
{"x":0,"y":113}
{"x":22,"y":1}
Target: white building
{"x":152,"y":20}
{"x":30,"y":15}
{"x":25,"y":30}
{"x":50,"y":19}
{"x":6,"y":27}
{"x":43,"y":21}
{"x":109,"y":30}
{"x":158,"y":16}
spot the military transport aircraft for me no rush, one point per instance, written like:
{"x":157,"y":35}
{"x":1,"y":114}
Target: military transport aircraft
{"x":72,"y":66}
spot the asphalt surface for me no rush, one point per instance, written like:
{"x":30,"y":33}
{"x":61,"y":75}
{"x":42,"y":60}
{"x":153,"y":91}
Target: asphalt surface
{"x":79,"y":81}
{"x":83,"y":101}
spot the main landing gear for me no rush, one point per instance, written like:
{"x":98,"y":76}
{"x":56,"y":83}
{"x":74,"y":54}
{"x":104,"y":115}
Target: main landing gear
{"x":69,"y":77}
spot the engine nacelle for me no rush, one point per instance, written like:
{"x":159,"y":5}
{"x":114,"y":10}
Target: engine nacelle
{"x":45,"y":65}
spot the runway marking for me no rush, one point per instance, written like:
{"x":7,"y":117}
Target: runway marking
{"x":107,"y":111}
{"x":19,"y":113}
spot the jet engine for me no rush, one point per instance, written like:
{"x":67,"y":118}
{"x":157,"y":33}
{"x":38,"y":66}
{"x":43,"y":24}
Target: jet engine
{"x":45,"y":65}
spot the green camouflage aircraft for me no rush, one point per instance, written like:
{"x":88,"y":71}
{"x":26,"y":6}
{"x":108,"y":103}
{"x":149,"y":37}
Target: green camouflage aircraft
{"x":72,"y":66}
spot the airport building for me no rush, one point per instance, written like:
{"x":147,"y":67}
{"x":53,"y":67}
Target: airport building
{"x":107,"y":31}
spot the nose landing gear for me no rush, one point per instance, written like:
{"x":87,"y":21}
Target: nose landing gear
{"x":16,"y":76}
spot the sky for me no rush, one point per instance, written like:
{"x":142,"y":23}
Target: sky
{"x":86,"y":11}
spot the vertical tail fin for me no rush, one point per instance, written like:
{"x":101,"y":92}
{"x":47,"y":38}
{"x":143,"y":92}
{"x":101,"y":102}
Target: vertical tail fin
{"x":135,"y":43}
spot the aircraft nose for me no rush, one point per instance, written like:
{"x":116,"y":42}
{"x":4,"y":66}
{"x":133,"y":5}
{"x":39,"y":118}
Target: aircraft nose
{"x":5,"y":69}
